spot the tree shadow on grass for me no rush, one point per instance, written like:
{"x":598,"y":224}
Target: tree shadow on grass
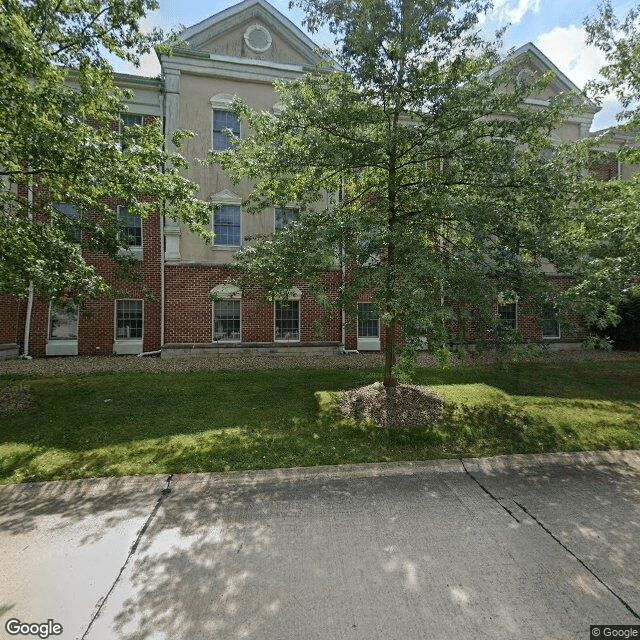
{"x":462,"y":430}
{"x":586,"y":381}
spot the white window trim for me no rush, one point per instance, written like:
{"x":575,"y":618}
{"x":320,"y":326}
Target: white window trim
{"x":557,"y":321}
{"x":55,"y":347}
{"x":557,"y":337}
{"x":230,"y":198}
{"x":127,"y":345}
{"x":292,"y":206}
{"x":368,"y":343}
{"x":227,"y":292}
{"x":517,"y":327}
{"x":133,"y":249}
{"x":120,"y":129}
{"x":294,"y":295}
{"x":265,"y":31}
{"x":221,"y":102}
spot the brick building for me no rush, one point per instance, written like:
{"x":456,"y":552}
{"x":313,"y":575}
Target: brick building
{"x":237,"y":52}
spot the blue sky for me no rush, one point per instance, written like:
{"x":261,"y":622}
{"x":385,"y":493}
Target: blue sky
{"x":554,"y":26}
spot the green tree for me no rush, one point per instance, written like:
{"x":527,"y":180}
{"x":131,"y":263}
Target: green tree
{"x":607,"y":233}
{"x":59,"y":143}
{"x":417,"y":167}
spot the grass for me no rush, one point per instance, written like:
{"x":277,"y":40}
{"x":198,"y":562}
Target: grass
{"x":108,"y":424}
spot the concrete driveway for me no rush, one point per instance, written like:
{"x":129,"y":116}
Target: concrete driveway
{"x":520,"y":547}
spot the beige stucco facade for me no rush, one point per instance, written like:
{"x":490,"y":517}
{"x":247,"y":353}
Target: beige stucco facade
{"x":221,"y":59}
{"x":217,"y":64}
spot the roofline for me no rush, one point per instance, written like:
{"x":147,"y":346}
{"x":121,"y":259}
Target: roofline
{"x":241,"y":6}
{"x":128,"y":78}
{"x":615,"y":132}
{"x":529,"y":47}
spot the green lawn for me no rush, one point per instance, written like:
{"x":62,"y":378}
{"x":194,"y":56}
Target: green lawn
{"x":108,"y":424}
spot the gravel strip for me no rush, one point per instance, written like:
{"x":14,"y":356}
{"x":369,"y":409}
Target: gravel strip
{"x":44,"y":367}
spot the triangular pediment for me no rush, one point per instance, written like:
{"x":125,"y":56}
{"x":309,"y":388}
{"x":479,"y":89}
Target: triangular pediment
{"x":253,"y":30}
{"x":531,"y":61}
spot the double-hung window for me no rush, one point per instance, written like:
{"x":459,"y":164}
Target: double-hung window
{"x":62,"y":333}
{"x":284,"y":217}
{"x":225,"y":126}
{"x":226,"y":225}
{"x":128,"y":120}
{"x":550,"y":322}
{"x":368,"y":321}
{"x":368,"y":327}
{"x":508,"y":315}
{"x":129,"y":320}
{"x":131,"y":227}
{"x":63,"y":321}
{"x":227,"y":320}
{"x":287,"y":320}
{"x":72,"y":214}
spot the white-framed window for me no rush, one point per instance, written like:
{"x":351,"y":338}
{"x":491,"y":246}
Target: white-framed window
{"x":129,"y":320}
{"x":63,"y":321}
{"x":508,"y":315}
{"x":284,"y":217}
{"x":131,"y":227}
{"x":550,"y":322}
{"x":368,"y":327}
{"x":287,"y":320}
{"x":368,"y":321}
{"x":227,"y":320}
{"x":257,"y":38}
{"x":225,"y":125}
{"x":127,"y":120}
{"x":72,"y":214}
{"x":227,"y":225}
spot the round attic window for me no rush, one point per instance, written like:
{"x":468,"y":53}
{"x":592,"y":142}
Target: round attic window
{"x":257,"y":38}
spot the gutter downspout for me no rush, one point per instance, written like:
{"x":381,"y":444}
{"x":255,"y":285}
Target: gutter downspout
{"x":27,"y":323}
{"x":342,"y":280}
{"x":161,"y":279}
{"x":162,"y":275}
{"x":343,"y":273}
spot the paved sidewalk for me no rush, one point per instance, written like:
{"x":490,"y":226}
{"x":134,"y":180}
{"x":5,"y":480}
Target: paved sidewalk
{"x":526,"y":547}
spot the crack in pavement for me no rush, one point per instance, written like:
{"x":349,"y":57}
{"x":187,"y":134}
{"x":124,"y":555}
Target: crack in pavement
{"x":163,"y":494}
{"x":486,"y":490}
{"x":626,"y":605}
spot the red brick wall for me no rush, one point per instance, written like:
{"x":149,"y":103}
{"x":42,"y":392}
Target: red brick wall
{"x":188,"y":309}
{"x":10,"y":325}
{"x":528,"y":326}
{"x":96,"y":326}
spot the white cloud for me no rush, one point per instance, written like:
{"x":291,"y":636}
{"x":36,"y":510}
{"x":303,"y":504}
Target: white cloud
{"x":513,"y":12}
{"x":567,"y":48}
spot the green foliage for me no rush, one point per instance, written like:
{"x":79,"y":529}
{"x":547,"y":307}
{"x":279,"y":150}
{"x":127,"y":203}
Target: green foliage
{"x":609,"y":231}
{"x":418,"y":168}
{"x":114,"y":423}
{"x":619,"y":39}
{"x":59,"y":139}
{"x":626,"y":333}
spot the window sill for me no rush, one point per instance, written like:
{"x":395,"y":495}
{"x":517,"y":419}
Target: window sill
{"x":61,"y":348}
{"x":127,"y":347}
{"x":136,"y":252}
{"x":368,"y":344}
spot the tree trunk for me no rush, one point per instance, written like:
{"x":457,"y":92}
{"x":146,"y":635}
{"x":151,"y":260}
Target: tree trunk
{"x":389,"y":355}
